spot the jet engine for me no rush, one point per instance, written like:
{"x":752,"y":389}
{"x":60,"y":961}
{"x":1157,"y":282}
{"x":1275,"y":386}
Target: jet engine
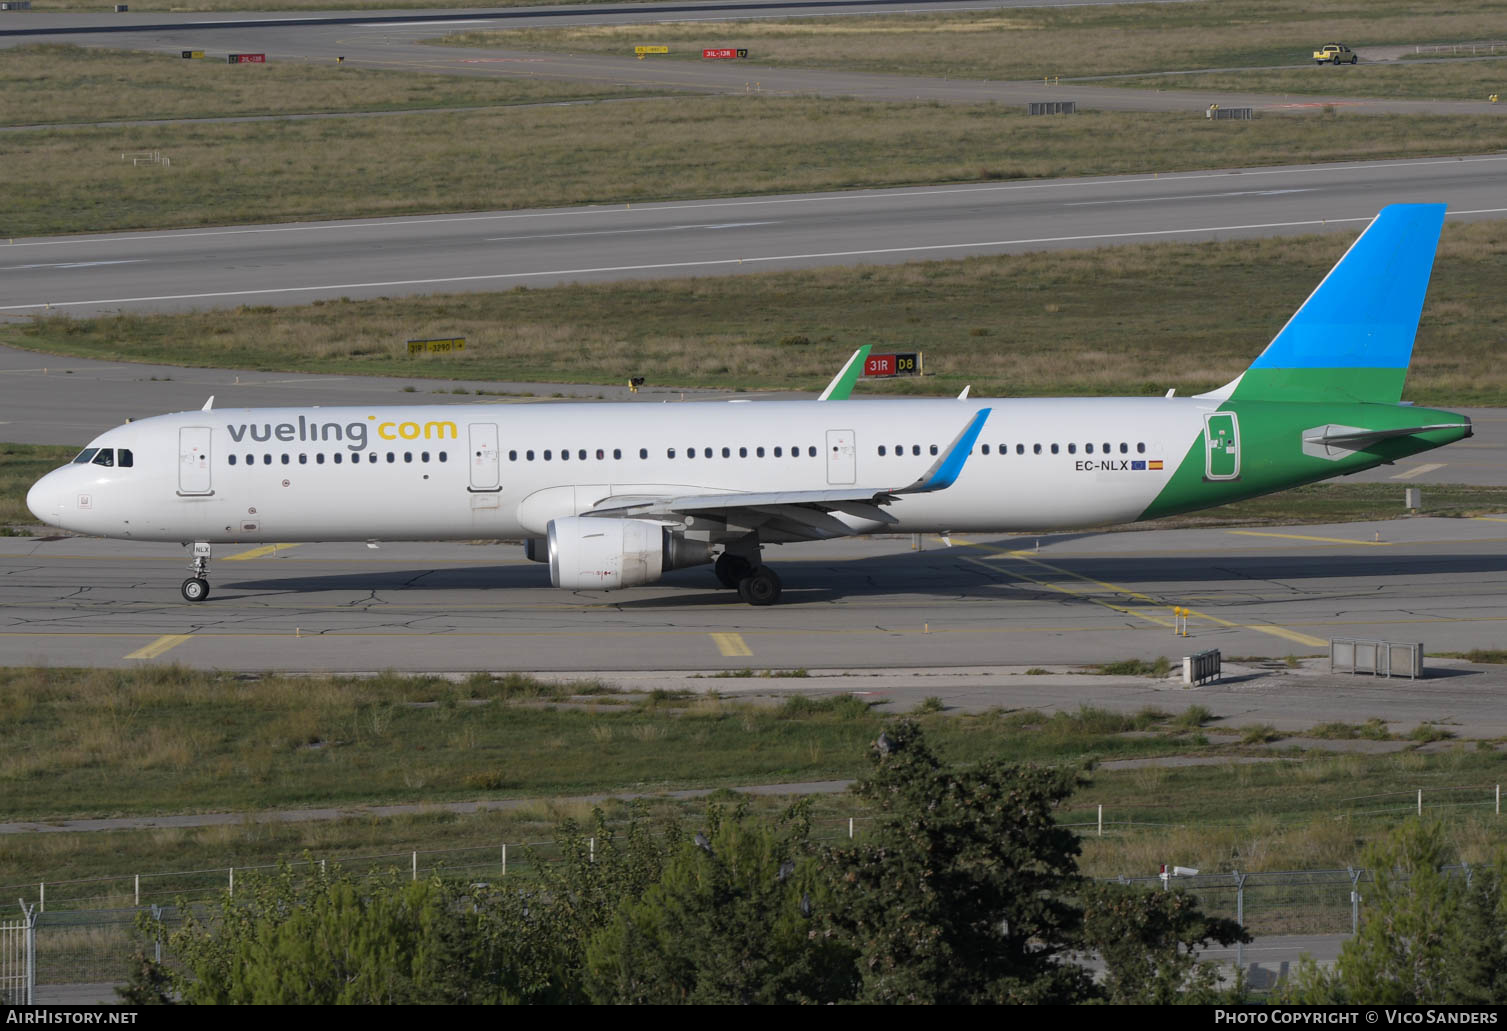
{"x":603,"y":553}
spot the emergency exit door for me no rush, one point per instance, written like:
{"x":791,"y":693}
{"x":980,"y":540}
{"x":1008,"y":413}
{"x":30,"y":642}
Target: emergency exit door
{"x":842,"y":457}
{"x":486,"y":472}
{"x":193,"y":460}
{"x":1221,"y":446}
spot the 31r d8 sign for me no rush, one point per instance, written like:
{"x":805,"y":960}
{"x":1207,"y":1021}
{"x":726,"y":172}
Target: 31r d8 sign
{"x":908,"y":364}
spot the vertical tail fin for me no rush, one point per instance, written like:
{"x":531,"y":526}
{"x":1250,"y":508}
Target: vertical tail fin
{"x":1353,"y":338}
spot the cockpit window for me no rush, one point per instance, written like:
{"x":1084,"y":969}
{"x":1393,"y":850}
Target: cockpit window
{"x":106,"y":456}
{"x":124,"y":458}
{"x":85,"y":456}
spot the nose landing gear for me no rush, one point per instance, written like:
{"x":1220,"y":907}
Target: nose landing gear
{"x":196,"y":587}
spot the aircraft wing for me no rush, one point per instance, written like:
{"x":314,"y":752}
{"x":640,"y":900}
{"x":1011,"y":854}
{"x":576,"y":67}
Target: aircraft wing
{"x":803,"y":514}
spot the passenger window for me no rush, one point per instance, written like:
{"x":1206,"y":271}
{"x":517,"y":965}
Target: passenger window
{"x":643,"y":452}
{"x":1124,"y":448}
{"x":512,"y":456}
{"x":915,"y":449}
{"x":778,"y":453}
{"x":527,"y":454}
{"x":1088,"y":449}
{"x":267,"y":459}
{"x":706,"y":452}
{"x":881,"y":450}
{"x":1106,"y":449}
{"x":986,"y":449}
{"x":304,"y":459}
{"x":391,"y":457}
{"x":669,"y":452}
{"x":1020,"y":449}
{"x":407,"y":456}
{"x":1036,"y":449}
{"x":690,"y":452}
{"x":564,"y":454}
{"x":124,"y":459}
{"x":85,"y":456}
{"x":337,"y":458}
{"x":105,"y":457}
{"x":444,"y":457}
{"x":371,"y":458}
{"x":251,"y":460}
{"x":581,"y":454}
{"x":727,"y":452}
{"x":933,"y":449}
{"x":811,"y":452}
{"x":1054,"y":449}
{"x":600,"y":454}
{"x":423,"y":456}
{"x":319,"y":458}
{"x":231,"y":458}
{"x":1072,"y":449}
{"x":743,"y":452}
{"x":617,"y":453}
{"x":287,"y":458}
{"x":1140,"y":449}
{"x":759,"y":452}
{"x":547,"y":454}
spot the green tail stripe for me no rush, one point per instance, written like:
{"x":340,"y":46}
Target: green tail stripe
{"x":842,"y":385}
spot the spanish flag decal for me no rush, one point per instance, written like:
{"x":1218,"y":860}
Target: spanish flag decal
{"x":1153,"y":465}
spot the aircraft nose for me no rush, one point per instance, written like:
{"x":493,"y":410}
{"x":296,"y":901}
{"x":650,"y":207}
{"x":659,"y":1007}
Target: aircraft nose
{"x":43,"y":499}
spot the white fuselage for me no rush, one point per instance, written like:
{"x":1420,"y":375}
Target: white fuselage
{"x":469,"y":471}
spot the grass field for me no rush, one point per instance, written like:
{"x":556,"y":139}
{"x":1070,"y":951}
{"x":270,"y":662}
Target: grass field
{"x":52,"y":83}
{"x":644,"y":150}
{"x":162,"y":740}
{"x":105,"y":742}
{"x":1462,"y":80}
{"x":21,"y":465}
{"x":1123,"y":320}
{"x":1031,"y":43}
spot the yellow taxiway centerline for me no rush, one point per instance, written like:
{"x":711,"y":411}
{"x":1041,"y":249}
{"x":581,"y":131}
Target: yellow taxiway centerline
{"x":262,"y":552}
{"x":731,"y":645}
{"x":157,"y":647}
{"x":1303,"y":537}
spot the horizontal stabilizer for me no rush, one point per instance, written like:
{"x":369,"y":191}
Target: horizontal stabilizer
{"x":1354,"y":439}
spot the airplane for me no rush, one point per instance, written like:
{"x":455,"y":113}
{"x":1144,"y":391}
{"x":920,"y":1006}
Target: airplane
{"x":616,"y":495}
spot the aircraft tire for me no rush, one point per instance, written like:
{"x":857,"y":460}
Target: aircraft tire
{"x":732,"y":569}
{"x":761,"y":587}
{"x":195,"y":588}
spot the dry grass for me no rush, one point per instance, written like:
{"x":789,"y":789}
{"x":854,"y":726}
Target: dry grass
{"x":1125,"y":320}
{"x":523,"y":157}
{"x":1473,"y":80}
{"x":52,"y":83}
{"x":1031,"y":43}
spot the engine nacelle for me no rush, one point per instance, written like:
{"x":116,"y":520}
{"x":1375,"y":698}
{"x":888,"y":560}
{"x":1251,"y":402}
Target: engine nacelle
{"x":603,"y":553}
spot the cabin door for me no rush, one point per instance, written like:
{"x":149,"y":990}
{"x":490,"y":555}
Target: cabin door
{"x":486,"y":471}
{"x":842,"y":457}
{"x":193,"y":460}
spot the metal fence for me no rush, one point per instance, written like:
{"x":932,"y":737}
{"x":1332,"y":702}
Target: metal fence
{"x":17,"y":958}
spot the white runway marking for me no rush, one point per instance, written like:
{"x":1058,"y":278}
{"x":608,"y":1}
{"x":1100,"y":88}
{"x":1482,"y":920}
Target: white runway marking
{"x":624,"y":232}
{"x":72,"y":264}
{"x":710,"y":263}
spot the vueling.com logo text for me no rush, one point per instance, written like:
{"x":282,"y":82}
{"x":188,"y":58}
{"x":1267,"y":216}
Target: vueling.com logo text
{"x":352,"y":434}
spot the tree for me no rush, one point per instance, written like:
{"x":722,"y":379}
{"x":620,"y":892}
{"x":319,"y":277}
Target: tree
{"x":962,"y":894}
{"x":1478,"y":969}
{"x":730,"y":921}
{"x":329,"y":938}
{"x":1148,"y":942}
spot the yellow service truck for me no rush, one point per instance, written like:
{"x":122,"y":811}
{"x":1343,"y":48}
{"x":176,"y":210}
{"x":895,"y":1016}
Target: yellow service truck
{"x":1334,"y":53}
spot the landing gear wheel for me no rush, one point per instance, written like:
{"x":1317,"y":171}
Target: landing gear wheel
{"x":761,"y":587}
{"x":731,"y":569}
{"x":195,"y":588}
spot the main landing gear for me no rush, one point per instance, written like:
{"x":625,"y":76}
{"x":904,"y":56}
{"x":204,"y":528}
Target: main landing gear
{"x":756,"y":584}
{"x":196,"y":587}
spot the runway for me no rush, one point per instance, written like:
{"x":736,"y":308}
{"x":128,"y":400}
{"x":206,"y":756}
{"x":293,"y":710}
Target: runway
{"x":852,"y":604}
{"x":297,"y":263}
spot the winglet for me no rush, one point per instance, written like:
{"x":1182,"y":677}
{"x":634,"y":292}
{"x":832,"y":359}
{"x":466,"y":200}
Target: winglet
{"x":842,"y":384}
{"x":945,"y":470}
{"x":209,"y":405}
